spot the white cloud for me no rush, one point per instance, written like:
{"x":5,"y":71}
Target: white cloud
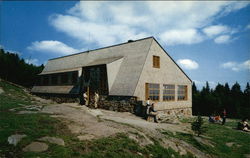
{"x":222,"y":39}
{"x":214,"y":30}
{"x":188,"y":64}
{"x":248,"y":27}
{"x":235,"y":66}
{"x":188,"y":36}
{"x":32,"y":61}
{"x":52,"y":47}
{"x":93,"y":32}
{"x":106,"y":23}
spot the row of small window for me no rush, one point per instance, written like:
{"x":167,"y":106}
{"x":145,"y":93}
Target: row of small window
{"x":68,"y":78}
{"x":153,"y":92}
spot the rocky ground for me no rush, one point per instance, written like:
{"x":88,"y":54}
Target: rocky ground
{"x":89,"y":124}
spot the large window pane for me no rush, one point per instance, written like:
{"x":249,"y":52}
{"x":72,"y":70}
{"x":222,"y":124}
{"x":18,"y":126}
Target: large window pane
{"x":168,"y":92}
{"x":182,"y":92}
{"x":153,"y":91}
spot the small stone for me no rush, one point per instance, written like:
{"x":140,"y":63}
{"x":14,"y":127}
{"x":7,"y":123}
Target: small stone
{"x":230,"y":144}
{"x":36,"y":147}
{"x":27,"y":112}
{"x":86,"y":137}
{"x":53,"y":140}
{"x":139,"y":153}
{"x":14,"y":139}
{"x":1,"y":90}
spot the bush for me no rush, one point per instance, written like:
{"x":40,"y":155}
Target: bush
{"x":197,"y":125}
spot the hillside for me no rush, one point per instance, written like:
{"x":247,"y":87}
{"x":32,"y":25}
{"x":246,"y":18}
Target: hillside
{"x":70,"y":130}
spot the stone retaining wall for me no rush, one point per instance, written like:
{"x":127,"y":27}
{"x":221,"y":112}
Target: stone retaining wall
{"x":178,"y":111}
{"x":120,"y":104}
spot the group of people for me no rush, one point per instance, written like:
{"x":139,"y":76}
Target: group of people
{"x":150,"y":111}
{"x":86,"y":99}
{"x":218,"y":118}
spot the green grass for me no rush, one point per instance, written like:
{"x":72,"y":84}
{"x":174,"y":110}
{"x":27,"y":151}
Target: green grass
{"x":219,"y":135}
{"x":38,"y":125}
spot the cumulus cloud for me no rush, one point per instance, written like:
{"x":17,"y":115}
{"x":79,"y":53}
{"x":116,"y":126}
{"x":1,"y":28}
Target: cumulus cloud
{"x":106,"y":23}
{"x":52,"y":47}
{"x":188,"y":36}
{"x":235,"y":66}
{"x":32,"y":61}
{"x":214,"y":30}
{"x":188,"y":64}
{"x":222,"y":39}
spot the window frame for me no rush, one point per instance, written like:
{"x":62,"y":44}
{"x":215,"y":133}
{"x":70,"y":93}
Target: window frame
{"x":156,"y":61}
{"x":148,"y":88}
{"x":185,"y":93}
{"x":166,"y":94}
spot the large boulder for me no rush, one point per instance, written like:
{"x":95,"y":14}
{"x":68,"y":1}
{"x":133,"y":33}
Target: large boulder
{"x":36,"y":147}
{"x":165,"y":118}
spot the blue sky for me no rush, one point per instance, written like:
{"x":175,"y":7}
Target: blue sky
{"x":209,"y":40}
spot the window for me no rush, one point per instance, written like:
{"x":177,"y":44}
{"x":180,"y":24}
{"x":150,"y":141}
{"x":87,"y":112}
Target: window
{"x":168,"y":92}
{"x":64,"y":78}
{"x":54,"y":79}
{"x":153,"y":91}
{"x":45,"y":80}
{"x":156,"y":61}
{"x":74,"y":77}
{"x":182,"y":92}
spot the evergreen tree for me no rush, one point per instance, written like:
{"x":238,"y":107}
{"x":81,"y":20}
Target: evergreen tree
{"x":15,"y":70}
{"x":197,"y":126}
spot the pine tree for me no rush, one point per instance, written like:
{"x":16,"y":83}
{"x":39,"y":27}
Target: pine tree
{"x":197,"y":126}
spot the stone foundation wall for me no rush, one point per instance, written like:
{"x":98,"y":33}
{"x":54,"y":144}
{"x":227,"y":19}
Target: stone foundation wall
{"x":177,"y":111}
{"x":120,"y":104}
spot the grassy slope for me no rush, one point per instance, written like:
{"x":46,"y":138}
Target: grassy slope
{"x":219,"y":135}
{"x":39,"y":125}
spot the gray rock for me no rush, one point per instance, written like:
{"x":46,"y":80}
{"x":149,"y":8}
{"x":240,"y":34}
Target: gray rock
{"x":15,"y":139}
{"x":86,"y":137}
{"x":203,"y":141}
{"x":53,"y":140}
{"x":1,"y":90}
{"x":36,"y":147}
{"x":173,"y":119}
{"x":27,"y":112}
{"x":230,"y":144}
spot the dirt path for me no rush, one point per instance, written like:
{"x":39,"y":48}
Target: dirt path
{"x":90,"y":124}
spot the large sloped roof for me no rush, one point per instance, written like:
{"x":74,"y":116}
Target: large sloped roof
{"x":134,"y":56}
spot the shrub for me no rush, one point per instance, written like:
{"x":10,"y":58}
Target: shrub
{"x":197,"y":125}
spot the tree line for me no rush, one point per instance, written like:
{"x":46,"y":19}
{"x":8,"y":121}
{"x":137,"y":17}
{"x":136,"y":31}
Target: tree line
{"x":16,"y":70}
{"x":209,"y":101}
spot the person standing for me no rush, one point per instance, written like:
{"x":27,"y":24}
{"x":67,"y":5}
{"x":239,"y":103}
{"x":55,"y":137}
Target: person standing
{"x":224,"y":114}
{"x":148,"y":102}
{"x":85,"y":97}
{"x":96,"y":99}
